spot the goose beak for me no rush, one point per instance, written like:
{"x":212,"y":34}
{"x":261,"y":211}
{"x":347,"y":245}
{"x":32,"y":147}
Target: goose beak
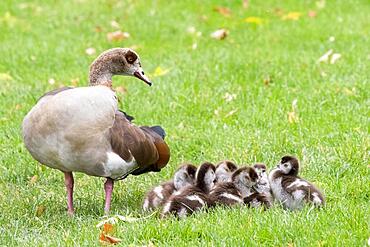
{"x":141,"y":75}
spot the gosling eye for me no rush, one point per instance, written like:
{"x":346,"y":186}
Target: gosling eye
{"x":263,"y":170}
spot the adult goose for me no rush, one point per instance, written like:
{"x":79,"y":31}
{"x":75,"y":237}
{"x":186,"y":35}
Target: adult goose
{"x":81,"y":129}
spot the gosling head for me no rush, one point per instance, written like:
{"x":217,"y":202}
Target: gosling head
{"x":289,"y":165}
{"x":261,"y":170}
{"x":116,"y":61}
{"x":245,"y":176}
{"x":184,"y":176}
{"x":224,"y":171}
{"x":205,"y":177}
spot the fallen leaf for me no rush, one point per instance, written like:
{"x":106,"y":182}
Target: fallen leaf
{"x":51,"y":81}
{"x":293,"y":115}
{"x":349,"y":92}
{"x":229,"y":97}
{"x":230,"y":113}
{"x":330,"y":57}
{"x":17,"y":107}
{"x":294,"y":16}
{"x":160,"y":72}
{"x":90,"y":51}
{"x":120,"y":89}
{"x":114,"y":24}
{"x":34,"y":179}
{"x":220,"y":34}
{"x":254,"y":20}
{"x":106,"y":239}
{"x":5,"y":77}
{"x":267,"y":80}
{"x":312,"y":14}
{"x":223,"y":11}
{"x":320,"y":4}
{"x":8,"y":19}
{"x":40,"y":209}
{"x":117,"y":36}
{"x":108,"y":228}
{"x":98,"y":29}
{"x":245,"y":4}
{"x":75,"y":81}
{"x":334,"y":58}
{"x":204,"y":18}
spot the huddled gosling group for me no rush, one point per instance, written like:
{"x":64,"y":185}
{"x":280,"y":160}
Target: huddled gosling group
{"x":207,"y":186}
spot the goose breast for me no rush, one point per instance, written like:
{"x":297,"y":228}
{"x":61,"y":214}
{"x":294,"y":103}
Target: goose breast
{"x":69,"y":130}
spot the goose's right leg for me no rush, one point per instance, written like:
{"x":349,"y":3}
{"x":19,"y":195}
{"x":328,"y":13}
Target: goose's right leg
{"x":69,"y":182}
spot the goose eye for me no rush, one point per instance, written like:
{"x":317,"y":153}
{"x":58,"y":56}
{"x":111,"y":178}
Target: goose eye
{"x":285,"y":165}
{"x":263,"y":170}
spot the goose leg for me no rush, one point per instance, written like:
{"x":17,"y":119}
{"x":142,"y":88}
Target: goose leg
{"x":69,"y":182}
{"x":108,"y":187}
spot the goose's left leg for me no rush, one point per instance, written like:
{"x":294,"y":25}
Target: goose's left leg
{"x":69,"y":182}
{"x":108,"y":187}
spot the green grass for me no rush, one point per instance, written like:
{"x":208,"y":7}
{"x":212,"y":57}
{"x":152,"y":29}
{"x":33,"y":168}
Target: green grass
{"x":47,"y":39}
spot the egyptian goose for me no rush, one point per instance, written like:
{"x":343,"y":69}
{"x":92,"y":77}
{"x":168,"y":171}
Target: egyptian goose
{"x":224,"y":170}
{"x":81,"y":129}
{"x":194,"y":197}
{"x":239,"y":187}
{"x":291,"y":190}
{"x":156,"y":197}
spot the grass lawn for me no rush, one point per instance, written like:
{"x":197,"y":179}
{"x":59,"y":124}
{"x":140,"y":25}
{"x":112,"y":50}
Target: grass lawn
{"x":255,"y":96}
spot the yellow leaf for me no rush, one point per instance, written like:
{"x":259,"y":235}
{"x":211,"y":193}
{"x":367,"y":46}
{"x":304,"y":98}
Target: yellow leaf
{"x":40,"y":209}
{"x":160,"y":72}
{"x":5,"y":77}
{"x":254,"y":20}
{"x":292,"y":16}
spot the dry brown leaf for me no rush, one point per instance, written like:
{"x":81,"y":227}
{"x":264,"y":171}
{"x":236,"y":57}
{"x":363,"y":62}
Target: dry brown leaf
{"x":40,"y":209}
{"x":75,"y":81}
{"x":220,"y":34}
{"x":34,"y":179}
{"x":312,"y":14}
{"x":90,"y":51}
{"x":106,"y":239}
{"x":117,"y":36}
{"x":245,"y":4}
{"x":267,"y":80}
{"x":98,"y":29}
{"x":223,"y":11}
{"x":120,"y":89}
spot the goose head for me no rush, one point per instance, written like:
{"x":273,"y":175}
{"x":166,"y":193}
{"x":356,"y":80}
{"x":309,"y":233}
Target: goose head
{"x":116,"y":61}
{"x":184,"y":176}
{"x":205,"y":177}
{"x":289,"y":165}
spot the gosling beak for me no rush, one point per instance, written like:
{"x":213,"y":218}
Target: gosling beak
{"x":140,"y":74}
